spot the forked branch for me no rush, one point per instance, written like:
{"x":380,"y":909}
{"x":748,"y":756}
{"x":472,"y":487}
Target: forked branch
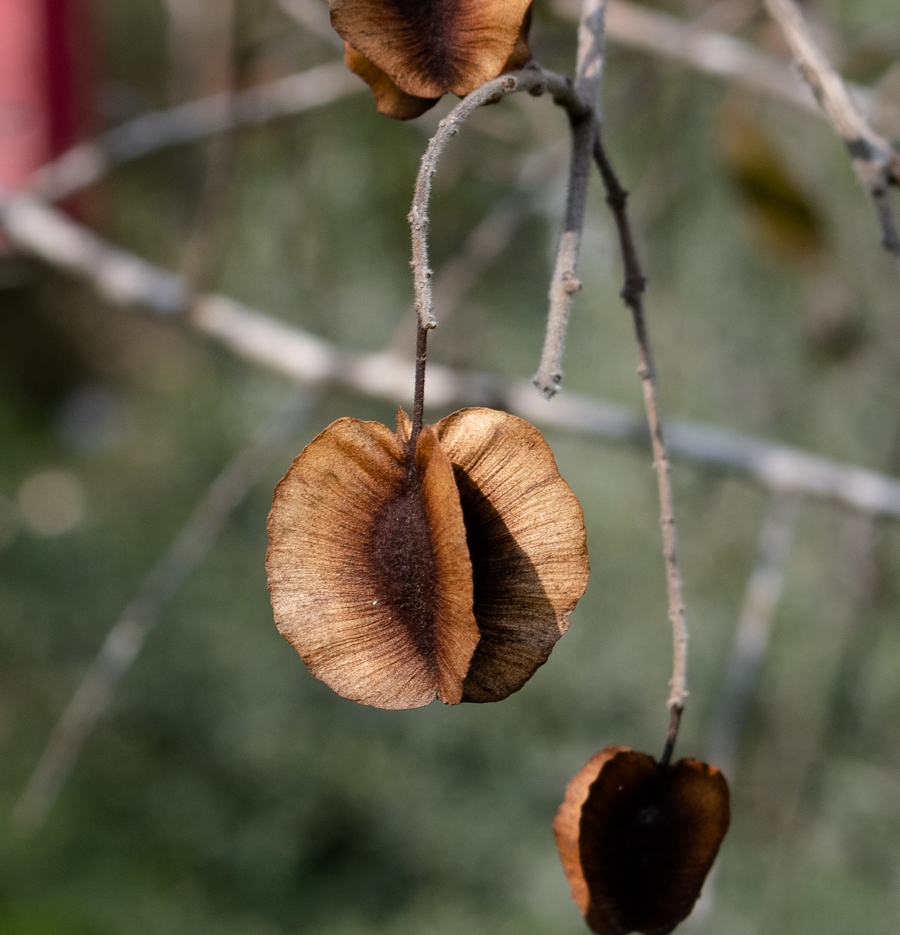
{"x":533,"y":79}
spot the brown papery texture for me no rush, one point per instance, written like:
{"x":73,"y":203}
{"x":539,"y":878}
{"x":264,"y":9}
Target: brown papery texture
{"x":368,"y":568}
{"x":430,"y":47}
{"x":637,"y":839}
{"x":390,"y":101}
{"x":526,"y":539}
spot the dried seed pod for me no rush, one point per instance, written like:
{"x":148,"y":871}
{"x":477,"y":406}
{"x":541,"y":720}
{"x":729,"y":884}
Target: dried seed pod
{"x":417,"y":52}
{"x":390,"y":101}
{"x":637,"y":839}
{"x":387,"y":570}
{"x":525,"y":534}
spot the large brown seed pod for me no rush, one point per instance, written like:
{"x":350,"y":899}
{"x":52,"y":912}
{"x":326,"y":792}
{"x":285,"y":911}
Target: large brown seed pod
{"x":412,"y":52}
{"x":449,"y":572}
{"x":637,"y":839}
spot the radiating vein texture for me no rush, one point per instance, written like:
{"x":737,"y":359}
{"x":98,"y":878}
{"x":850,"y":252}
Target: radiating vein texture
{"x":412,"y":52}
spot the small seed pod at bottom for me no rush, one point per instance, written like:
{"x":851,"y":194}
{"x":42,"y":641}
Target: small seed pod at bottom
{"x":637,"y":839}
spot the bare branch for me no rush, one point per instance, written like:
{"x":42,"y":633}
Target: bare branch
{"x":533,"y":79}
{"x":874,"y":160}
{"x":633,"y":295}
{"x":86,"y":163}
{"x":126,"y":280}
{"x":484,"y":243}
{"x":640,"y":27}
{"x":125,"y":639}
{"x":584,"y":125}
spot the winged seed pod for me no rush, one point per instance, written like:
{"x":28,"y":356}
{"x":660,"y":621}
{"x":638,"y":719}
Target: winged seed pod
{"x":446,"y":572}
{"x":637,"y":839}
{"x":412,"y":52}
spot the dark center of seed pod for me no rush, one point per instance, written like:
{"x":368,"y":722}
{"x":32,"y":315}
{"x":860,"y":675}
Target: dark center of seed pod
{"x":406,"y":569}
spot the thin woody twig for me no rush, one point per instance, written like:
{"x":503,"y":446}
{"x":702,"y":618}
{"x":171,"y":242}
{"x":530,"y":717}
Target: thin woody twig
{"x":127,"y":281}
{"x":633,"y":295}
{"x":584,"y":125}
{"x":876,"y":164}
{"x":533,"y":79}
{"x":127,"y":636}
{"x":641,"y":27}
{"x":484,"y":243}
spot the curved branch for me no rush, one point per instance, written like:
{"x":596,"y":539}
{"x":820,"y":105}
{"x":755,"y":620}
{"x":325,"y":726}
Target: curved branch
{"x":533,"y":79}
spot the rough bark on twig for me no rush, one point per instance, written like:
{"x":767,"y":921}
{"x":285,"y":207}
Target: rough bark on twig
{"x":127,"y":636}
{"x":533,"y":79}
{"x":875,"y":162}
{"x":584,"y":123}
{"x":483,"y":245}
{"x":633,"y":296}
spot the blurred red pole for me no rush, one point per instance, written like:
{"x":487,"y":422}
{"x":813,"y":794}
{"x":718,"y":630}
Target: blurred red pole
{"x":46,"y":98}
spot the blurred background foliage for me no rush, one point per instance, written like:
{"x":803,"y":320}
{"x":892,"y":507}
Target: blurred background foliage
{"x":227,"y":791}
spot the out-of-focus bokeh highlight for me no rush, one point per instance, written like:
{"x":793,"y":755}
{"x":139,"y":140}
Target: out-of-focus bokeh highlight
{"x":222,"y":789}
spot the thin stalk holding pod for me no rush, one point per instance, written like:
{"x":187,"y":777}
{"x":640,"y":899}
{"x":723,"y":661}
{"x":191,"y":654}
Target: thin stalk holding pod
{"x":633,"y":296}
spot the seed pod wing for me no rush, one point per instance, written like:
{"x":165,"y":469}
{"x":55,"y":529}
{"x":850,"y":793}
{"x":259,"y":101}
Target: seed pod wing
{"x":525,"y":532}
{"x":368,"y":568}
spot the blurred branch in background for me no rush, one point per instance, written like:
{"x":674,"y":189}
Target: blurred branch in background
{"x":639,"y":27}
{"x":626,"y":23}
{"x":748,"y":651}
{"x":128,"y":635}
{"x":855,"y":580}
{"x":127,"y":280}
{"x":221,"y":76}
{"x":88,"y":162}
{"x":754,"y":629}
{"x":875,"y":162}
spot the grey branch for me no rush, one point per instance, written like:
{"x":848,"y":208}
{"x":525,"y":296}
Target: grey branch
{"x":85,"y":163}
{"x":533,"y":79}
{"x":626,"y":23}
{"x":484,"y":243}
{"x":48,"y":234}
{"x":584,"y":121}
{"x":875,"y":162}
{"x":639,"y":27}
{"x":128,"y":635}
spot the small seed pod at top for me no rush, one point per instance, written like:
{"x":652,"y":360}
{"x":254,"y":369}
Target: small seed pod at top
{"x":412,"y":52}
{"x":637,"y":839}
{"x":446,"y":571}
